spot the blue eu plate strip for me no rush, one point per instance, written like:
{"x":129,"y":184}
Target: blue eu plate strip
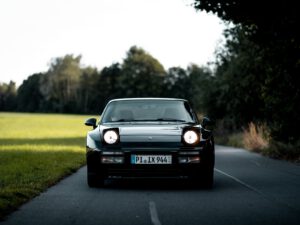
{"x":133,"y":159}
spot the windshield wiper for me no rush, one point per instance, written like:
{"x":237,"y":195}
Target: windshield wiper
{"x":170,"y":120}
{"x":159,"y":119}
{"x":153,"y":120}
{"x":126,"y":120}
{"x":122,"y":120}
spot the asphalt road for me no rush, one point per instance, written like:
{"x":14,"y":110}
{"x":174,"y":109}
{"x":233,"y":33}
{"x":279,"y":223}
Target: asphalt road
{"x":249,"y":189}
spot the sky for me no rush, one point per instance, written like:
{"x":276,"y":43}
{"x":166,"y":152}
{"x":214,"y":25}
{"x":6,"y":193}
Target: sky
{"x":33,"y":32}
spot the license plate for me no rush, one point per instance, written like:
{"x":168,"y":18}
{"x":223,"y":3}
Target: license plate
{"x":151,"y":159}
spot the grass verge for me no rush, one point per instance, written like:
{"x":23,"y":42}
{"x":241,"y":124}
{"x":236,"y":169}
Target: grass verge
{"x":257,"y":139}
{"x":36,"y":151}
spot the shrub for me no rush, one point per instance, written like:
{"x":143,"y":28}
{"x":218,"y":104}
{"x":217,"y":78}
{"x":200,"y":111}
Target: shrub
{"x":256,"y":137}
{"x":236,"y":140}
{"x":279,"y":150}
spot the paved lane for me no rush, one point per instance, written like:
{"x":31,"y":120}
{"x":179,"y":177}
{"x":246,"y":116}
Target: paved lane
{"x":249,"y":189}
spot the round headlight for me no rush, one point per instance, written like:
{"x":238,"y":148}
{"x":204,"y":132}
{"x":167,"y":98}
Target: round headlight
{"x":111,"y":137}
{"x":190,"y":137}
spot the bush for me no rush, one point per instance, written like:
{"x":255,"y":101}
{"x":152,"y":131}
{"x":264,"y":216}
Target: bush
{"x":236,"y":140}
{"x":256,"y":137}
{"x":279,"y":150}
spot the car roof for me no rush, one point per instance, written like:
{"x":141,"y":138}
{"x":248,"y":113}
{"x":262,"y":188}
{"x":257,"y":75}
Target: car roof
{"x":133,"y":99}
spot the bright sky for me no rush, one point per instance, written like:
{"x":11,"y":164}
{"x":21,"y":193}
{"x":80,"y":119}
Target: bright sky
{"x":32,"y":32}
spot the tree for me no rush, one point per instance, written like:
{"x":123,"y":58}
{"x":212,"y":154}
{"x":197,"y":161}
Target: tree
{"x":8,"y":95}
{"x":108,"y":85}
{"x":263,"y":19}
{"x":238,"y":81}
{"x":142,"y":74}
{"x":30,"y":98}
{"x":177,"y":84}
{"x":191,"y":84}
{"x":272,"y":71}
{"x":200,"y":81}
{"x":88,"y":91}
{"x":60,"y":85}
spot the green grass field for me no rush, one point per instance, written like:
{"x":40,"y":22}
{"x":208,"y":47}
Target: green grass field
{"x":36,"y":151}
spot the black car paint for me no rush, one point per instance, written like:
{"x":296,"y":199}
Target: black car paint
{"x":153,"y":138}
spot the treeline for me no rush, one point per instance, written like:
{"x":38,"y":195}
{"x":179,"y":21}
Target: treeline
{"x":67,"y":87}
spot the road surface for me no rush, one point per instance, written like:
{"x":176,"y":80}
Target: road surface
{"x":249,"y":189}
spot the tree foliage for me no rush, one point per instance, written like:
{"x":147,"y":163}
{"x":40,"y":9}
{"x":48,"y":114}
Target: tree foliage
{"x":141,"y":74}
{"x":8,"y":95}
{"x":257,"y":77}
{"x":265,"y":19}
{"x":60,"y":84}
{"x":30,"y":98}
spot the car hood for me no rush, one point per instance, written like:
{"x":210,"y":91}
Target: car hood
{"x":154,"y":130}
{"x":149,"y":133}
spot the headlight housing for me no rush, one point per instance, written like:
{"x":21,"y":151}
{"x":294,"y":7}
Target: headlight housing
{"x":191,"y":137}
{"x":111,"y":137}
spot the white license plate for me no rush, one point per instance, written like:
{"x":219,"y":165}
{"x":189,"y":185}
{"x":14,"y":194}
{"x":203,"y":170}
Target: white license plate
{"x":151,"y":159}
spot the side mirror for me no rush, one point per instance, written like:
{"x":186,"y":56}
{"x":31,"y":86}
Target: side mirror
{"x":207,"y":123}
{"x":91,"y":122}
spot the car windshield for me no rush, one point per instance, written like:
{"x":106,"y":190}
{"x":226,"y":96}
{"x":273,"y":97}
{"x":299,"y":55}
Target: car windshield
{"x":148,"y":110}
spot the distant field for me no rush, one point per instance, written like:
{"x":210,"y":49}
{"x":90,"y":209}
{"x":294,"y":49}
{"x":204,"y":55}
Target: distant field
{"x":37,"y":150}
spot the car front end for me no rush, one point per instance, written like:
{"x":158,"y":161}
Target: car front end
{"x":150,"y":148}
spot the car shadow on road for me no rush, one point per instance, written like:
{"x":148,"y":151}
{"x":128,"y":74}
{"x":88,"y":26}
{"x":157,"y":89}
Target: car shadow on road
{"x":169,"y":184}
{"x":154,"y":184}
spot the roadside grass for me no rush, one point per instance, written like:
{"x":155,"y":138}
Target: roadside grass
{"x":257,"y":139}
{"x":36,"y":151}
{"x":234,"y":140}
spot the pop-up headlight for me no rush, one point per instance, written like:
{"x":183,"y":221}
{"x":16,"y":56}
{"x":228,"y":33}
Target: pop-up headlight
{"x":190,"y":137}
{"x":111,"y":136}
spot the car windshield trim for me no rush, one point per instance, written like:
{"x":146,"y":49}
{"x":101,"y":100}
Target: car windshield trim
{"x":150,"y":120}
{"x":170,"y":120}
{"x":148,"y":111}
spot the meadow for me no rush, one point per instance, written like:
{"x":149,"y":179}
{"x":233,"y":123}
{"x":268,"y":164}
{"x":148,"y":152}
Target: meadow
{"x":36,"y":151}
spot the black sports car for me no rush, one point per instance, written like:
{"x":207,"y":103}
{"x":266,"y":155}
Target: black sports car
{"x":149,"y":137}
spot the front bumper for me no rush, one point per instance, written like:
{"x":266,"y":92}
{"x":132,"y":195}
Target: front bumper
{"x":117,"y":163}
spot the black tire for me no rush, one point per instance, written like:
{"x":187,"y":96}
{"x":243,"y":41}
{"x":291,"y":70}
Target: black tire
{"x":95,"y":180}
